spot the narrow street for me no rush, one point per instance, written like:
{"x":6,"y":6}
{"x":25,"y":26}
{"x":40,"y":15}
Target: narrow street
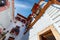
{"x":29,"y":19}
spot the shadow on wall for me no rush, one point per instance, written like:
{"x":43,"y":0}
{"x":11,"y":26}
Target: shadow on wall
{"x":25,"y":37}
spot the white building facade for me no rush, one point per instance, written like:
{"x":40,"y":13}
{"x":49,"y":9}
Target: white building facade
{"x":50,"y":17}
{"x":6,"y":13}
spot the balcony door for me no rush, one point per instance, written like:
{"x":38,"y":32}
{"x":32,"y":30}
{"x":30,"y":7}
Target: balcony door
{"x":47,"y":36}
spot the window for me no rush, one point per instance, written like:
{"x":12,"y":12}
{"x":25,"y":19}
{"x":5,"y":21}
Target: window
{"x":2,"y":2}
{"x":38,"y":11}
{"x":22,"y":20}
{"x":35,"y":7}
{"x":42,"y":4}
{"x":17,"y":18}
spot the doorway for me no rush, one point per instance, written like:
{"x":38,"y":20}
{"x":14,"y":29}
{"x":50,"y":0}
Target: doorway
{"x":47,"y":36}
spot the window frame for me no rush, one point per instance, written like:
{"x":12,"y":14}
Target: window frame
{"x":54,"y":31}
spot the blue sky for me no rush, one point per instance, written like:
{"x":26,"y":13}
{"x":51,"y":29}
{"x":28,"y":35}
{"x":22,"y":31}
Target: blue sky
{"x":24,"y":7}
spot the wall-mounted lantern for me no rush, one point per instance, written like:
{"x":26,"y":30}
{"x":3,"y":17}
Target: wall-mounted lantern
{"x":2,"y":2}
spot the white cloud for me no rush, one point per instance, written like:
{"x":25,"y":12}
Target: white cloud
{"x":22,"y":6}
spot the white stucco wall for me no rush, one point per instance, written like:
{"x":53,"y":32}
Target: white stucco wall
{"x":22,"y":29}
{"x":6,"y":16}
{"x":45,"y":21}
{"x":13,"y":25}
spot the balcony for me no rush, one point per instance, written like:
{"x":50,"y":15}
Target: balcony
{"x":35,"y":7}
{"x":39,"y":16}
